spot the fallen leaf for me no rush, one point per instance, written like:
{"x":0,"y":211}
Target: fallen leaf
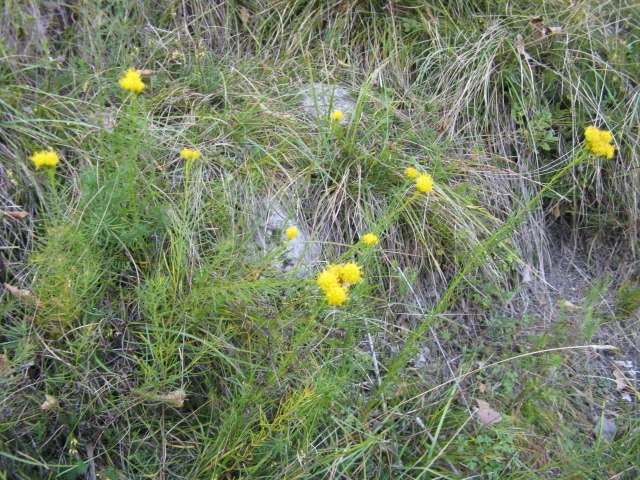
{"x":15,"y":214}
{"x":4,"y":365}
{"x":245,"y":15}
{"x":622,"y":382}
{"x":175,"y":399}
{"x":566,"y":304}
{"x":520,"y":46}
{"x":50,"y":403}
{"x":484,"y":388}
{"x":25,"y":296}
{"x":145,"y":72}
{"x":486,"y":414}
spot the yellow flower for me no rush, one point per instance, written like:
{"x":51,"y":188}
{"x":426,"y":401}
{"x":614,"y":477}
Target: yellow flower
{"x":189,"y":154}
{"x":350,"y":273}
{"x":45,"y":158}
{"x":132,"y":82}
{"x":327,"y":280}
{"x":335,"y":270}
{"x":411,"y":173}
{"x":370,"y":239}
{"x":424,"y":183}
{"x":291,"y":233}
{"x":335,"y":281}
{"x":336,"y":295}
{"x":337,"y":115}
{"x":599,"y":142}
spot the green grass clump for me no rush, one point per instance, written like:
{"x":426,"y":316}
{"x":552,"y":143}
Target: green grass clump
{"x":156,"y":324}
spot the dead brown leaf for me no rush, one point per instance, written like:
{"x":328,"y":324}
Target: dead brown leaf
{"x":484,"y":388}
{"x":622,"y":382}
{"x":245,"y":15}
{"x":25,"y":296}
{"x":520,"y":46}
{"x":50,"y":403}
{"x":175,"y":399}
{"x":486,"y":414}
{"x":15,"y":214}
{"x":567,"y":305}
{"x":543,"y":29}
{"x":4,"y":364}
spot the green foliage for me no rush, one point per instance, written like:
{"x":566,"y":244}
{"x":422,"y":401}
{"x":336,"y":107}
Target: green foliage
{"x":152,"y":334}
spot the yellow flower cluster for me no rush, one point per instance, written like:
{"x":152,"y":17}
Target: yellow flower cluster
{"x":337,"y":115}
{"x":45,"y":158}
{"x":599,"y":142}
{"x":291,"y":233}
{"x":189,"y":154}
{"x":411,"y":173}
{"x":132,"y":82}
{"x":336,"y":280}
{"x":424,"y":183}
{"x":370,"y":239}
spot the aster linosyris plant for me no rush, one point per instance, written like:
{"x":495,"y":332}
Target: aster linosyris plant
{"x":291,"y":233}
{"x":424,"y":183}
{"x":370,"y":239}
{"x":411,"y":173}
{"x":335,"y":281}
{"x":337,"y":115}
{"x":132,"y":82}
{"x":45,"y":159}
{"x":599,"y":141}
{"x":190,"y":154}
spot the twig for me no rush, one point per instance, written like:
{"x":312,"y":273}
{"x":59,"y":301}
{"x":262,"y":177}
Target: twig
{"x":92,"y":463}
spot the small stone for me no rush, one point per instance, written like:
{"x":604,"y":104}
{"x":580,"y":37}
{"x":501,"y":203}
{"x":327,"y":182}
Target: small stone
{"x":321,"y":99}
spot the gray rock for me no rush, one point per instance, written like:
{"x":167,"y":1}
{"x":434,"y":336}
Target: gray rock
{"x":301,"y":253}
{"x":606,"y":429}
{"x":320,"y":99}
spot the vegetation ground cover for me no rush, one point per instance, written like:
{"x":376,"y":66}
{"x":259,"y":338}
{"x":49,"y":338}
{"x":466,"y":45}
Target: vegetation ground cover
{"x":466,"y":305}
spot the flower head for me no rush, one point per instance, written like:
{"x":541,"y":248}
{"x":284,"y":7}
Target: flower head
{"x":132,"y":82}
{"x":350,"y":273}
{"x":424,"y":183}
{"x":327,"y":280}
{"x":337,"y":115}
{"x":599,"y":142}
{"x":335,"y":281}
{"x":291,"y":233}
{"x":370,"y":239}
{"x":45,"y":158}
{"x":336,"y":295}
{"x":411,"y":173}
{"x":335,"y":270}
{"x":189,"y":154}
